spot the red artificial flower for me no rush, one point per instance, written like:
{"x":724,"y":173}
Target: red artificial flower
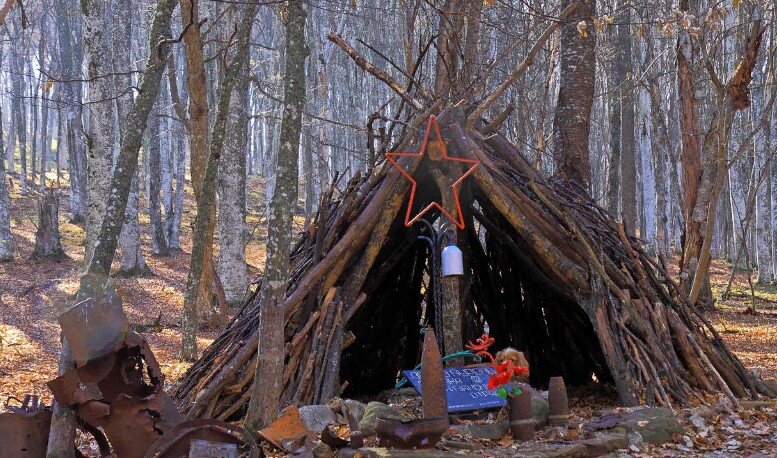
{"x":498,"y":379}
{"x":521,"y":370}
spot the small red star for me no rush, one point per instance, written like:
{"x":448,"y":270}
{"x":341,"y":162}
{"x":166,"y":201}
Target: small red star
{"x":432,"y":125}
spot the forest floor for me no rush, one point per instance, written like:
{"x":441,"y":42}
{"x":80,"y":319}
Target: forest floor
{"x":32,"y":294}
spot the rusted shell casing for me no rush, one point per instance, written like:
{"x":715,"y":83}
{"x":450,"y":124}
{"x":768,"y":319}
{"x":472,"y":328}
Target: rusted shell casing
{"x":24,"y":432}
{"x":558,"y":403}
{"x":435,"y":402}
{"x":521,"y":419}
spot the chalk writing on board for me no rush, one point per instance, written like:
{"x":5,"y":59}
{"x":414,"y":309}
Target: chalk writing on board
{"x":466,"y":388}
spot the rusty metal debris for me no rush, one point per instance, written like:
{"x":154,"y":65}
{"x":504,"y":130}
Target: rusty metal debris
{"x":117,"y":384}
{"x":434,"y":398}
{"x":24,"y":430}
{"x":355,"y":439}
{"x":421,"y":433}
{"x":125,"y":398}
{"x":287,"y":430}
{"x":96,"y":326}
{"x":181,"y":439}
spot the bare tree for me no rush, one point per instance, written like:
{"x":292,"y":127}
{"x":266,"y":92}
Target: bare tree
{"x":265,"y":393}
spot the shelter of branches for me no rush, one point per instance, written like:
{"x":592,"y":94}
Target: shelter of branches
{"x":549,"y":272}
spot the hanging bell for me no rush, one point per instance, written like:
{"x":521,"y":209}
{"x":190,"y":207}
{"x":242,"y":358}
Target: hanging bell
{"x":452,"y":261}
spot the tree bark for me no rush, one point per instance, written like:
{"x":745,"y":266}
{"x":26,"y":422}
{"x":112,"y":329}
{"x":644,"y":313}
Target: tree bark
{"x":266,"y":391}
{"x":126,"y":163}
{"x":232,"y":196}
{"x":47,"y":239}
{"x":6,"y":239}
{"x":158,"y":241}
{"x":572,"y":121}
{"x":99,"y":136}
{"x":77,"y":158}
{"x":198,"y":136}
{"x":206,"y":205}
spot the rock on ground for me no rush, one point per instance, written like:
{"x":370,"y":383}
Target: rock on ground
{"x":317,"y":417}
{"x":375,"y":410}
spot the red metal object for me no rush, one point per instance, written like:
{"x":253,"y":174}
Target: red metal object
{"x":122,"y":393}
{"x":24,"y":430}
{"x":434,"y":398}
{"x":392,"y":157}
{"x":480,"y":346}
{"x":287,"y":428}
{"x":521,"y":419}
{"x":558,"y":403}
{"x":176,"y":442}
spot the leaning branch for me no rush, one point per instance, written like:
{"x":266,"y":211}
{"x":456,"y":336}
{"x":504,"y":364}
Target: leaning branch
{"x":521,"y":68}
{"x":369,"y":68}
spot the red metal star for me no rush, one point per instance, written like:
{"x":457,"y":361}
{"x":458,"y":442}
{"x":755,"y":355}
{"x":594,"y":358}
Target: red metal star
{"x":458,"y":220}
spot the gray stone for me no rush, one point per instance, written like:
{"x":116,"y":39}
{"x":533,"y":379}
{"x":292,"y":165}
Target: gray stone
{"x":488,"y":431}
{"x":655,"y":424}
{"x":450,"y":444}
{"x":375,"y":410}
{"x":402,"y":394}
{"x":381,"y":452}
{"x":604,"y":443}
{"x":357,"y":408}
{"x":601,"y":444}
{"x":317,"y":417}
{"x":321,"y":450}
{"x":539,"y":410}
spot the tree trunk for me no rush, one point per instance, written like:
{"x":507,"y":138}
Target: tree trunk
{"x":71,"y":96}
{"x":158,"y":242}
{"x":266,"y":391}
{"x":99,"y":135}
{"x":206,"y":205}
{"x":47,"y":240}
{"x":18,"y":108}
{"x":198,"y":137}
{"x":136,"y":119}
{"x":232,"y":196}
{"x":6,"y":239}
{"x":572,"y":121}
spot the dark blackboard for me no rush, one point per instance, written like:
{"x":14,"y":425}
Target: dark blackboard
{"x":467,"y":388}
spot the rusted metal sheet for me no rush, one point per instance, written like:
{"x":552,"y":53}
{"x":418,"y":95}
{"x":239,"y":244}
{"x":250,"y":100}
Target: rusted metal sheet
{"x":422,"y":433}
{"x":434,"y":399}
{"x":287,"y":428}
{"x":178,"y":441}
{"x":97,"y":325}
{"x":122,"y":393}
{"x":24,"y":430}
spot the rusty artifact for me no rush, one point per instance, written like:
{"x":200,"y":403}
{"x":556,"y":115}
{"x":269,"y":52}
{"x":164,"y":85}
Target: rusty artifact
{"x":117,"y":384}
{"x":521,"y":419}
{"x":197,"y":438}
{"x":355,"y":439}
{"x":288,"y":432}
{"x":421,"y":433}
{"x":24,"y":430}
{"x":558,"y":403}
{"x":434,"y":398}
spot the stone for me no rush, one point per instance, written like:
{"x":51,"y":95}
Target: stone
{"x":375,"y":410}
{"x":540,"y":410}
{"x":487,"y":431}
{"x":357,"y":408}
{"x":604,"y":443}
{"x":450,"y":444}
{"x":317,"y":417}
{"x":655,"y":424}
{"x":401,"y":395}
{"x":321,"y":450}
